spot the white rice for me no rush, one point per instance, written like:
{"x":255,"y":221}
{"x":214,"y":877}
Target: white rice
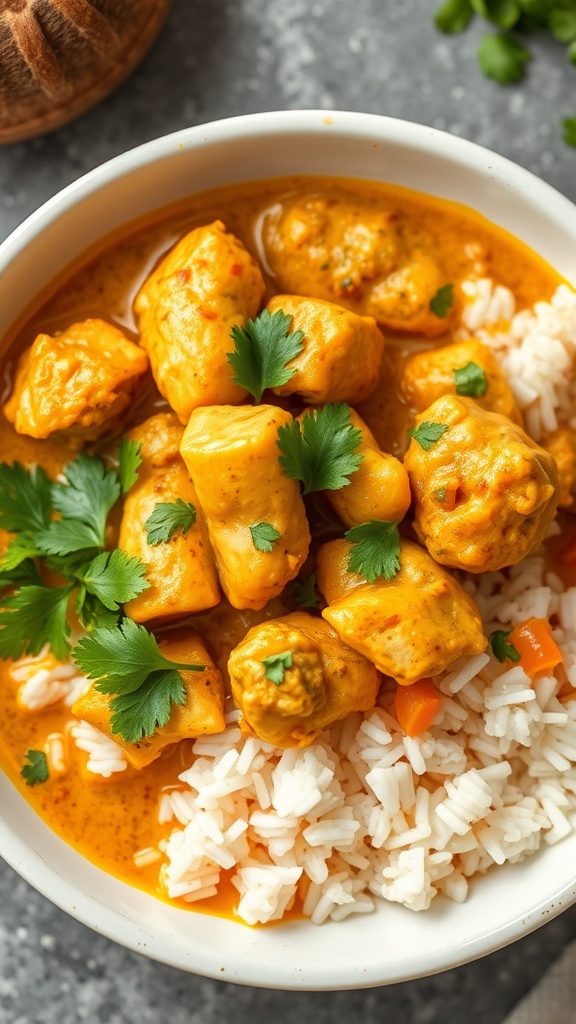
{"x":105,"y":757}
{"x":46,"y":682}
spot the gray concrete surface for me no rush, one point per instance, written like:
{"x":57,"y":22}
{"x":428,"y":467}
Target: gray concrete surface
{"x":218,"y":58}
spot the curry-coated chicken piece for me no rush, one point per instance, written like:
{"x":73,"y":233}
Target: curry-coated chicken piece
{"x":207,"y":284}
{"x":357,"y":255}
{"x":429,"y":375}
{"x":255,"y":513}
{"x":78,"y":383}
{"x":293,"y":677}
{"x":201,"y":715}
{"x":378,"y":489}
{"x":342,"y":353}
{"x":561,"y":445}
{"x":484,"y":492}
{"x":181,"y":571}
{"x":411,"y":626}
{"x":329,"y":247}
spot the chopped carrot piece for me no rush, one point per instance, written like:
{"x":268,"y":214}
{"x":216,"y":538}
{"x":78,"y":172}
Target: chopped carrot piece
{"x":417,"y":706}
{"x":568,"y":554}
{"x":537,"y":649}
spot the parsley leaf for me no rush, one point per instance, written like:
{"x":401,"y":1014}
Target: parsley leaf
{"x":442,"y":302}
{"x":320,"y":453}
{"x":275,"y":665}
{"x":87,"y":497}
{"x":504,"y":13}
{"x":502,"y":58}
{"x":470,"y":380}
{"x":375,"y":550}
{"x":264,"y":536}
{"x":262,"y":348}
{"x":126,"y":661}
{"x":501,"y":649}
{"x":114,"y":578}
{"x":33,"y":616}
{"x":304,"y":593}
{"x":138,"y":714}
{"x":569,"y":130}
{"x":37,"y":768}
{"x":167,"y":519}
{"x":427,"y":434}
{"x":129,"y":461}
{"x":453,"y":16}
{"x":25,"y":498}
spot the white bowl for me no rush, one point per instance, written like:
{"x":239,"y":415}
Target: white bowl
{"x":393,"y":944}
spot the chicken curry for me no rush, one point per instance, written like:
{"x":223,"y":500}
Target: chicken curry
{"x":258,"y":453}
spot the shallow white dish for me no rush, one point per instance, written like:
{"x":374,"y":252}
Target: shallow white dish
{"x":393,"y":944}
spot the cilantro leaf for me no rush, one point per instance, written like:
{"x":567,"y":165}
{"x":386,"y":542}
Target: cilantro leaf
{"x":24,"y":572}
{"x":504,"y":13}
{"x":441,"y":303}
{"x":167,"y":519}
{"x":501,"y":649}
{"x":569,"y":130}
{"x":121,"y":659}
{"x":470,"y":380}
{"x":304,"y":593}
{"x":129,"y":461}
{"x":92,"y":613}
{"x":453,"y":16}
{"x":89,"y":494}
{"x":264,"y":536}
{"x":502,"y":58}
{"x":275,"y":665}
{"x":114,"y":578}
{"x":320,"y":453}
{"x":426,"y":434}
{"x":25,"y":498}
{"x":67,"y":537}
{"x":33,"y":616}
{"x":262,"y":348}
{"x":37,"y":768}
{"x":20,"y":549}
{"x":138,"y":714}
{"x":375,"y":550}
{"x":563,"y":25}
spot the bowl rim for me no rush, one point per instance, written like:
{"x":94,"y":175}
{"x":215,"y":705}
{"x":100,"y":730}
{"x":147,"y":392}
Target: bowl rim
{"x":28,"y":862}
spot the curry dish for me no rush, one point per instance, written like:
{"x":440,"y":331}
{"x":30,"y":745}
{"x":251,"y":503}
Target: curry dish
{"x":281,"y":468}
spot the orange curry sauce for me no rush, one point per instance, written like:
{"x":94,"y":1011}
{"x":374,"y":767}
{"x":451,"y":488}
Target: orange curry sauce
{"x":109,"y":821}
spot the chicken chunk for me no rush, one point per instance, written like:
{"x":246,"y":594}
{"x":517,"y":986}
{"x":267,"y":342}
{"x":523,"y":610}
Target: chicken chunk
{"x":412,"y":626}
{"x":484,"y":492}
{"x":561,"y":445}
{"x":181,"y":571}
{"x":320,"y":680}
{"x":232,"y":456}
{"x":379,"y":489}
{"x":330,"y":247}
{"x":78,"y":383}
{"x":186,"y":309}
{"x":342,"y":353}
{"x":359,"y":256}
{"x":429,"y":375}
{"x":201,"y":715}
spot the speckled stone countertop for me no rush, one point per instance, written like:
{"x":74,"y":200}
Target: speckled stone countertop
{"x":217,"y":58}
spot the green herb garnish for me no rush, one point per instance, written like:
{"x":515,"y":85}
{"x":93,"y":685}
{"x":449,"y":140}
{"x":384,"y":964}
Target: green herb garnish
{"x":501,"y":649}
{"x":262,"y":350}
{"x":168,"y":519}
{"x":426,"y":434}
{"x":470,"y":380}
{"x":304,"y":593}
{"x":264,"y":536}
{"x":129,"y":462}
{"x":321,"y":452}
{"x":375,"y":550}
{"x":441,"y":303}
{"x":37,"y":768}
{"x":275,"y":666}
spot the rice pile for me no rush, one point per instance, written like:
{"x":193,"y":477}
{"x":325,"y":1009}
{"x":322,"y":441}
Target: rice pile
{"x":369,"y":813}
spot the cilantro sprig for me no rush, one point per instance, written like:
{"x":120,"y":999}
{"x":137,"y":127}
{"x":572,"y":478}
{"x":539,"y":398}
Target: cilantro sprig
{"x":264,"y":536}
{"x":61,"y":526}
{"x":321,"y":452}
{"x":426,"y":434}
{"x":168,"y":519}
{"x":441,"y":303}
{"x":126,"y":661}
{"x":36,"y":770}
{"x":470,"y":380}
{"x":304,"y":593}
{"x":262,"y":350}
{"x":501,"y":648}
{"x":375,"y":550}
{"x":129,"y":462}
{"x":275,"y":666}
